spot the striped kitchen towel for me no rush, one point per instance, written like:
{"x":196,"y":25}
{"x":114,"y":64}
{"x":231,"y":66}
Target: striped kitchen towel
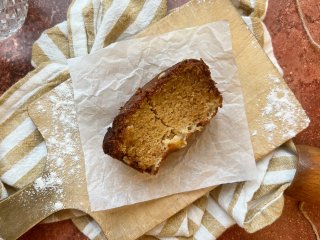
{"x":252,"y":204}
{"x":90,"y":26}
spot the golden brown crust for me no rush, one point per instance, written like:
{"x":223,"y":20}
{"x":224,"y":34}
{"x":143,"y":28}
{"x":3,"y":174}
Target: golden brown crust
{"x":114,"y":136}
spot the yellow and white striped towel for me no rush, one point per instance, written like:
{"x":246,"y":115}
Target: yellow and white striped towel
{"x":252,"y":205}
{"x":90,"y":26}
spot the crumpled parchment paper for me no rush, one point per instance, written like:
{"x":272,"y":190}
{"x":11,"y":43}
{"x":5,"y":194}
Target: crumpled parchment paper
{"x":105,"y":80}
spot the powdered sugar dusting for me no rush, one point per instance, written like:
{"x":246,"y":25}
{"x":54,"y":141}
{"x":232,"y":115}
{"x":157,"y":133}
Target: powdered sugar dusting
{"x":269,"y":127}
{"x":49,"y":181}
{"x":289,"y":134}
{"x":62,"y":138}
{"x":63,"y":161}
{"x":58,"y":206}
{"x":274,"y":78}
{"x":280,"y":108}
{"x":254,"y":44}
{"x":41,"y":109}
{"x":60,"y":162}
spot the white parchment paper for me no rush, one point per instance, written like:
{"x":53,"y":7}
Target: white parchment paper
{"x":105,"y":80}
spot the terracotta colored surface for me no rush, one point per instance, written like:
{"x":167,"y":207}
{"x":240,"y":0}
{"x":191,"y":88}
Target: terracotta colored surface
{"x":297,"y":57}
{"x":64,"y":230}
{"x":15,"y":52}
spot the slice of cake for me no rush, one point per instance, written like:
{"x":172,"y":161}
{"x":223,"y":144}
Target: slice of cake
{"x":161,"y":116}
